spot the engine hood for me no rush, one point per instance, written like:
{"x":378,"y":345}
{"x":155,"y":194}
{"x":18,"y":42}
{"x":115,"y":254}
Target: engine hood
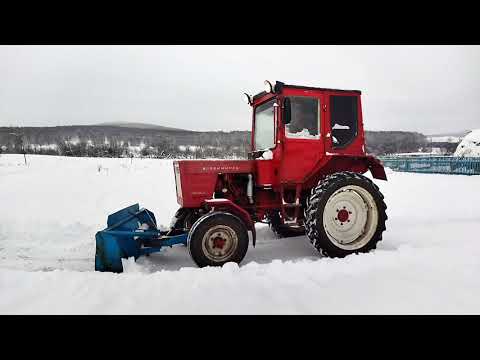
{"x":195,"y":179}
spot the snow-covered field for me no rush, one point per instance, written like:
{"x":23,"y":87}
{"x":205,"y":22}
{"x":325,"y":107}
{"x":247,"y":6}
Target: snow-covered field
{"x":428,"y":262}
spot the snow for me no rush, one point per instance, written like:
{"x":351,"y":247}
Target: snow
{"x":418,"y":153}
{"x":438,"y":151}
{"x":74,"y":141}
{"x":304,"y":134}
{"x":136,"y":149}
{"x":448,"y":139}
{"x":192,"y":148}
{"x":340,"y":127}
{"x":267,"y":155}
{"x":470,"y":145}
{"x":427,"y":263}
{"x":42,"y":147}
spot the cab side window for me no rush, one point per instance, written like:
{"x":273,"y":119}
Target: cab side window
{"x":344,"y":117}
{"x":304,"y":123}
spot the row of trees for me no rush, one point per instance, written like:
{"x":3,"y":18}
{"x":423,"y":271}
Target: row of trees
{"x":111,"y":141}
{"x":164,"y":149}
{"x":201,"y":145}
{"x":391,"y":142}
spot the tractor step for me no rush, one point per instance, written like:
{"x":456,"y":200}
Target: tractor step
{"x":291,"y":205}
{"x":293,"y":219}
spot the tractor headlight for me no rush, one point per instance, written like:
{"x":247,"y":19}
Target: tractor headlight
{"x":268,"y":86}
{"x":178,"y":180}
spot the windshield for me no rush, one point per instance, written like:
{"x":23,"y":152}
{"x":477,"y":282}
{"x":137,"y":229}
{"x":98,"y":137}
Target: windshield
{"x":264,"y":126}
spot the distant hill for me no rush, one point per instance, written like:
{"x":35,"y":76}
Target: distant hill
{"x":391,"y":142}
{"x":461,"y":133}
{"x":135,"y":125}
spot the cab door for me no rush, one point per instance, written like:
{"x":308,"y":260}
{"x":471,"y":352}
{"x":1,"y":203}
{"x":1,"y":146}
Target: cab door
{"x":302,"y":127}
{"x":344,"y":128}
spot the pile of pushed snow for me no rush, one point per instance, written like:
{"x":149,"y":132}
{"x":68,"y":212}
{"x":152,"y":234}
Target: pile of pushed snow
{"x":470,"y":145}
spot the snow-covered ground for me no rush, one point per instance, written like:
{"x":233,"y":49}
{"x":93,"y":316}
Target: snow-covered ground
{"x":450,"y":139}
{"x":428,"y":262}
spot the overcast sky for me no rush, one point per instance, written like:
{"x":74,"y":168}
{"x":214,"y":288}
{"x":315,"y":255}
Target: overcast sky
{"x":430,"y":89}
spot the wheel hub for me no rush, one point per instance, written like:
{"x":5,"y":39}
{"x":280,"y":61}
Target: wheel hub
{"x":342,"y":215}
{"x":219,"y":243}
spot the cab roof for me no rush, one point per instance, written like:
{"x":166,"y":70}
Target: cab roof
{"x":280,"y":85}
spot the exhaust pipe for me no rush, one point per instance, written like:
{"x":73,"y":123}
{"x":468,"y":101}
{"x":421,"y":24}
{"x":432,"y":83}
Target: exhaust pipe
{"x":250,"y":188}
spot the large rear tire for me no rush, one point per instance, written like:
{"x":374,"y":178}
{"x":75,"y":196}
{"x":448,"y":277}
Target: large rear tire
{"x":346,"y":214}
{"x":217,"y":238}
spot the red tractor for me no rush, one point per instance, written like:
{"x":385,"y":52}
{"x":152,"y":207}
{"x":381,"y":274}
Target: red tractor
{"x":303,"y":176}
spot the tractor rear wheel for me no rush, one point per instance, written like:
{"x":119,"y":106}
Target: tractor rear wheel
{"x":217,"y":238}
{"x":346,"y":214}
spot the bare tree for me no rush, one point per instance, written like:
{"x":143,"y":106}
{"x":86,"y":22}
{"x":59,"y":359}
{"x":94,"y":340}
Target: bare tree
{"x":19,"y":143}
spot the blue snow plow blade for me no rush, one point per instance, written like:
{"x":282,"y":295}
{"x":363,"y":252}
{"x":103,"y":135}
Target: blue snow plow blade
{"x":130,"y":232}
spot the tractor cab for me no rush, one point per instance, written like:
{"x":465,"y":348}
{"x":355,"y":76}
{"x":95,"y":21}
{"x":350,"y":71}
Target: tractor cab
{"x":298,"y":128}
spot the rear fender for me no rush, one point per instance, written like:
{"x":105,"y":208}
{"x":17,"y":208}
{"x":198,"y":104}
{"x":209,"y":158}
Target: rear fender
{"x":227,"y":205}
{"x":376,"y":168}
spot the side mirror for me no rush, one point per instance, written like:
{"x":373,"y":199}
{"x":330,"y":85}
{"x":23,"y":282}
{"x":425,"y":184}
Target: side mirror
{"x":287,"y":111}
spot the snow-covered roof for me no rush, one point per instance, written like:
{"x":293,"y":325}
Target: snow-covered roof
{"x":470,"y":145}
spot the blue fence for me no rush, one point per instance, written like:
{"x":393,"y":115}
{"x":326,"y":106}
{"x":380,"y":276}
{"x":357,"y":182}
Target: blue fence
{"x":433,"y":164}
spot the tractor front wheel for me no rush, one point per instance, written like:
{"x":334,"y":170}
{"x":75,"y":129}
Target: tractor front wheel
{"x":217,"y":238}
{"x":346,"y":214}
